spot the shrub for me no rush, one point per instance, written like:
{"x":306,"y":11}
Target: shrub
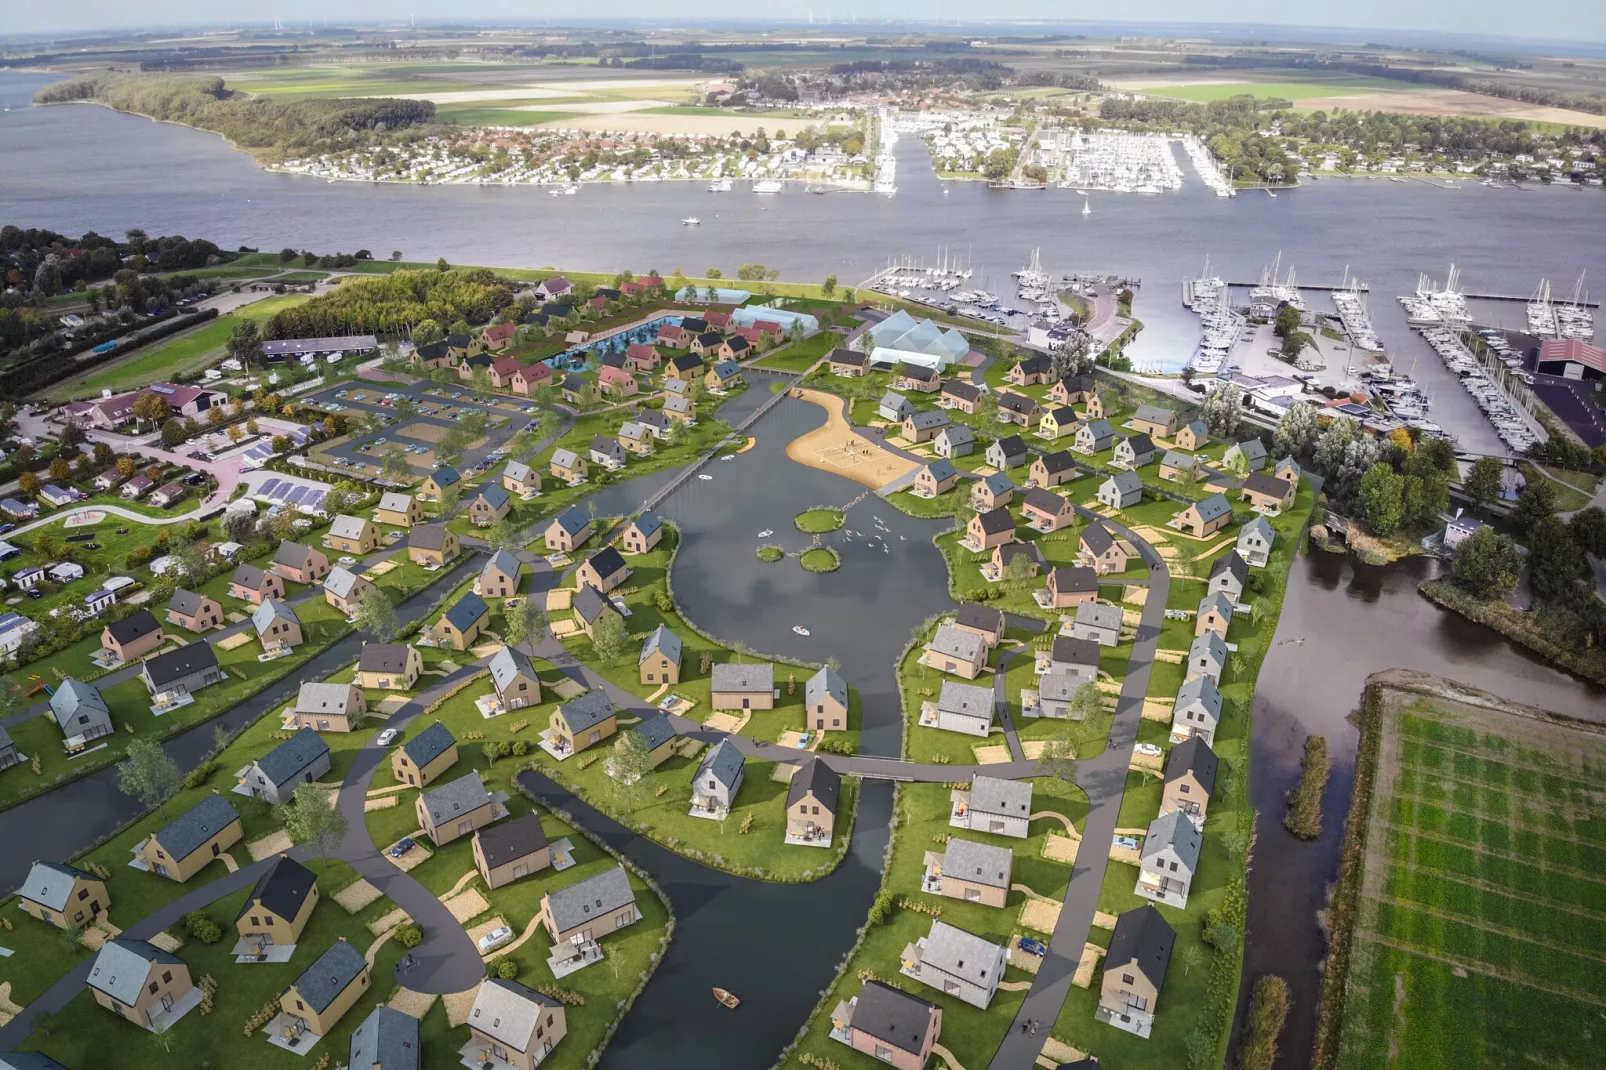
{"x":1268,"y":1007}
{"x":409,"y":935}
{"x":506,"y":968}
{"x":1304,"y":817}
{"x":521,"y":747}
{"x":198,"y":775}
{"x":200,"y":927}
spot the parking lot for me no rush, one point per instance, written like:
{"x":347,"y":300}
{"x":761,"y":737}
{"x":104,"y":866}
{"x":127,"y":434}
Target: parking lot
{"x":439,"y":410}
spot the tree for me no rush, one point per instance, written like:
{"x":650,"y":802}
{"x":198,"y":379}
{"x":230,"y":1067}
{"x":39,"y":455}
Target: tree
{"x":148,"y":774}
{"x":149,"y":408}
{"x":1588,"y":529}
{"x":1556,"y":563}
{"x":829,"y":287}
{"x":393,"y":465}
{"x":1536,"y":502}
{"x":427,"y":332}
{"x":1485,"y":479}
{"x":524,"y":623}
{"x":632,"y":761}
{"x":1059,"y":757}
{"x":1486,"y":564}
{"x":103,"y":454}
{"x":1287,"y":321}
{"x":59,"y":468}
{"x":1075,"y":357}
{"x":245,"y":343}
{"x":29,"y":483}
{"x":173,"y":432}
{"x":608,"y":636}
{"x":376,"y":613}
{"x":1380,"y":501}
{"x":312,"y":817}
{"x":342,"y":496}
{"x":1223,"y":410}
{"x":126,"y":465}
{"x":1192,"y":955}
{"x":502,"y":535}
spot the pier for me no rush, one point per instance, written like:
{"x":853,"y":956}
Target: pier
{"x":1360,"y":286}
{"x":1524,"y":298}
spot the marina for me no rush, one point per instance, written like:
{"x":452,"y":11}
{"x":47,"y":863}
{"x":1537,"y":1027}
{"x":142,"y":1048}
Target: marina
{"x":1570,"y":319}
{"x":1116,"y":162}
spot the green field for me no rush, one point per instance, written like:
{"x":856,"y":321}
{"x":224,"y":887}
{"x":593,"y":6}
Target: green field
{"x":1304,"y":89}
{"x":181,"y":355}
{"x":1482,"y":912}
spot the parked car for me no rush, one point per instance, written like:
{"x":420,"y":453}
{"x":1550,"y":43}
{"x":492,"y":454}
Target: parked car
{"x":387,"y":737}
{"x":401,"y":847}
{"x":495,"y":938}
{"x":1033,"y":947}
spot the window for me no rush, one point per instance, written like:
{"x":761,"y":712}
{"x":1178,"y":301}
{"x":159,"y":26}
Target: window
{"x":883,"y":1053}
{"x":78,"y":916}
{"x":1183,"y":788}
{"x":254,"y":921}
{"x":816,"y":811}
{"x":153,"y":986}
{"x":836,"y":722}
{"x":804,"y":809}
{"x":83,"y":893}
{"x":1127,"y":979}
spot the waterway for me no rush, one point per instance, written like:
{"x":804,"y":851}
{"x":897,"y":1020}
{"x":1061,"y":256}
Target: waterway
{"x":1341,"y":622}
{"x":72,"y":168}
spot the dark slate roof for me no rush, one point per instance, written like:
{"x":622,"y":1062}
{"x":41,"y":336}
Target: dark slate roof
{"x":1140,"y":444}
{"x":330,"y":974}
{"x":470,"y":608}
{"x":445,"y":475}
{"x":428,"y":537}
{"x":177,"y":664}
{"x":1064,"y":415}
{"x":1157,"y":414}
{"x":613,"y":360}
{"x":1044,"y":500}
{"x":1012,"y":445}
{"x":433,"y":351}
{"x":283,"y":889}
{"x":1099,"y":429}
{"x":1074,"y":651}
{"x":293,"y":555}
{"x":694,"y":324}
{"x":495,"y":495}
{"x":710,"y":339}
{"x":1232,"y":563}
{"x":1058,"y":462}
{"x":504,"y":842}
{"x":1125,"y":482}
{"x":1017,"y":403}
{"x":984,"y":618}
{"x":817,"y":777}
{"x":605,"y":445}
{"x":655,"y":731}
{"x":123,"y":965}
{"x":647,"y":523}
{"x":961,"y":390}
{"x":429,"y":744}
{"x":455,"y":797}
{"x":996,"y":520}
{"x":571,"y":520}
{"x":1142,"y":936}
{"x":924,"y":421}
{"x":589,"y":603}
{"x":1098,"y":538}
{"x":1038,"y":365}
{"x":1267,"y":484}
{"x":383,"y":657}
{"x":850,"y":357}
{"x":723,"y":763}
{"x":892,"y":1015}
{"x":1077,"y":384}
{"x":1193,"y":755}
{"x":917,"y":372}
{"x":195,"y":826}
{"x":606,"y":561}
{"x":576,"y":384}
{"x":589,"y":709}
{"x":590,"y":898}
{"x":134,"y":626}
{"x":457,"y":341}
{"x":28,"y":1060}
{"x":1011,"y":550}
{"x":941,"y":469}
{"x":997,"y":483}
{"x":686,"y":362}
{"x":388,"y":1039}
{"x":285,"y":762}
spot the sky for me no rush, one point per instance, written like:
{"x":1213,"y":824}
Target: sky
{"x":1556,"y":20}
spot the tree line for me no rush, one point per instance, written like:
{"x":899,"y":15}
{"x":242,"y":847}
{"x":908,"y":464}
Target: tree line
{"x":393,"y":304}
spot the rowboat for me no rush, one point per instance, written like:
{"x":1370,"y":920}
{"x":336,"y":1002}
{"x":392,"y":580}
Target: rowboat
{"x":726,"y":998}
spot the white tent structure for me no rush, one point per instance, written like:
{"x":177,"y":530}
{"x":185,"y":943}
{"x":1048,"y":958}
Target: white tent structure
{"x":899,"y":338}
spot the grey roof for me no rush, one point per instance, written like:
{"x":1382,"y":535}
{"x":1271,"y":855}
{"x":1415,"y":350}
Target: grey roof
{"x":1155,"y":414}
{"x":1058,"y":461}
{"x":1178,"y":459}
{"x":444,"y":475}
{"x":1259,"y":525}
{"x":1011,"y":550}
{"x":960,"y":954}
{"x":1231,"y":563}
{"x":1193,"y":755}
{"x":979,"y":863}
{"x":123,"y":965}
{"x":1099,"y":615}
{"x":892,"y":1015}
{"x":663,"y":640}
{"x":293,"y":555}
{"x":1007,"y":798}
{"x":997,"y":483}
{"x":606,"y":561}
{"x":1217,"y":601}
{"x":188,"y":603}
{"x":655,"y":731}
{"x":967,"y":700}
{"x":825,"y":682}
{"x":1212,"y":507}
{"x":917,"y":372}
{"x":607,"y":446}
{"x":957,"y":435}
{"x":455,"y":797}
{"x":468,"y":609}
{"x":815,"y":776}
{"x":564,"y":458}
{"x":1099,"y":429}
{"x":591,"y":708}
{"x":1252,"y":450}
{"x":518,"y":471}
{"x":177,"y":664}
{"x":839,"y":355}
{"x":994,"y":521}
{"x":74,"y":695}
{"x":383,"y":657}
{"x":263,"y":616}
{"x":285,"y":762}
{"x":956,"y":642}
{"x":571,"y":520}
{"x":507,"y":1012}
{"x":589,"y":603}
{"x":1140,"y":444}
{"x":1288,"y":463}
{"x":1017,"y":403}
{"x":502,"y":843}
{"x":395,"y":502}
{"x":1209,"y":644}
{"x":283,"y":889}
{"x":1201,"y":690}
{"x":745,"y":676}
{"x":895,"y":401}
{"x":1072,"y":651}
{"x":724,"y":763}
{"x":677,"y":402}
{"x":429,"y":744}
{"x":506,"y":664}
{"x":325,"y":698}
{"x":1037,"y":365}
{"x":1142,"y":936}
{"x":925,"y":421}
{"x":1077,"y":579}
{"x":1126,"y":482}
{"x":502,"y":561}
{"x":941,"y":469}
{"x":985,"y":618}
{"x":1011,"y":445}
{"x":329,"y":975}
{"x":495,"y":495}
{"x":1098,"y":538}
{"x":428,"y":537}
{"x":1044,"y":500}
{"x":1058,"y":686}
{"x":647,"y":523}
{"x":134,"y":626}
{"x":387,"y":1039}
{"x":1176,"y":831}
{"x":51,"y":883}
{"x":590,"y":898}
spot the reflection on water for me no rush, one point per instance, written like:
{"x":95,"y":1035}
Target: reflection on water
{"x":1355,"y":620}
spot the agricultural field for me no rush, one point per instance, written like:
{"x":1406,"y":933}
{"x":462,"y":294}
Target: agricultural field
{"x":1296,"y":89}
{"x":1482,"y":908}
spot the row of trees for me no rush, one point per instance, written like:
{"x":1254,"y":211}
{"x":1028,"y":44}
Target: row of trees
{"x":395,"y":303}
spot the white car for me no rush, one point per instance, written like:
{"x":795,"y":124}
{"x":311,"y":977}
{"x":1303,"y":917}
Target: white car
{"x":387,"y":737}
{"x":495,"y":938}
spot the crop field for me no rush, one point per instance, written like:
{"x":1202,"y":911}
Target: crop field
{"x":1204,"y":90}
{"x":1481,"y":937}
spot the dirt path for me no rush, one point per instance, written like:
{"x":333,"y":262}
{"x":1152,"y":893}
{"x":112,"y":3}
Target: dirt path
{"x":458,"y":887}
{"x":947,"y":1056}
{"x":838,"y":448}
{"x":1055,"y":815}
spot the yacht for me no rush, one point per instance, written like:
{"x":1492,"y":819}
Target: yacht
{"x":691,"y":221}
{"x":720,"y":185}
{"x":768,"y":185}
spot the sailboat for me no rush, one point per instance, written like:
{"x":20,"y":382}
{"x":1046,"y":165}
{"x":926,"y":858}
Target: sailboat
{"x":1086,"y":209}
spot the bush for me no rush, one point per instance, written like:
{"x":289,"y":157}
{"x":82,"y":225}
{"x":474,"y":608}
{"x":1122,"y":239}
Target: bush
{"x":1304,"y":816}
{"x":200,"y":927}
{"x":521,"y":747}
{"x":506,"y":969}
{"x":198,"y":775}
{"x":1268,"y":1007}
{"x":409,"y":935}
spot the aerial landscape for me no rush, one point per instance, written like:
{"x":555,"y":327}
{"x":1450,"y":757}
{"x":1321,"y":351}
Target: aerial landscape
{"x":812,"y":538}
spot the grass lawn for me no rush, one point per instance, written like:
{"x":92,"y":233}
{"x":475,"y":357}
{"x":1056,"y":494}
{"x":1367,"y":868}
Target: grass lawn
{"x":921,"y":825}
{"x":819,"y":520}
{"x":182,"y":354}
{"x":1303,"y":89}
{"x":801,"y":355}
{"x":820,"y":559}
{"x":1573,"y":490}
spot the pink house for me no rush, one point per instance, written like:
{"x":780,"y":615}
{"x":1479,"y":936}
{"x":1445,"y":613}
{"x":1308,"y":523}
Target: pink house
{"x":530,"y":377}
{"x":768,"y":327}
{"x":617,"y":380}
{"x":641,"y":357}
{"x":503,"y":371}
{"x":719,"y":321}
{"x":753,"y":335}
{"x":498,"y":335}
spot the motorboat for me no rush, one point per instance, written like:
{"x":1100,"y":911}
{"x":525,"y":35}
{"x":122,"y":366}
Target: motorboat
{"x":720,"y":185}
{"x":766,"y":533}
{"x":704,"y":475}
{"x":799,"y":629}
{"x":768,"y":185}
{"x":691,"y":221}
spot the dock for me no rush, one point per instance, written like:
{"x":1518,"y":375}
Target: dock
{"x":1361,"y":286}
{"x":1524,"y":298}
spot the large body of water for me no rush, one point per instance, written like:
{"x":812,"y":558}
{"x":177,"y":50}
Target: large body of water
{"x":77,"y":168}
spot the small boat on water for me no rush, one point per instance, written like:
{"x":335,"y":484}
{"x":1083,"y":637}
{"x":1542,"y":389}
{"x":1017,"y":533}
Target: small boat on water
{"x":726,"y":998}
{"x":799,"y":629}
{"x":691,"y":221}
{"x":1085,"y":209}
